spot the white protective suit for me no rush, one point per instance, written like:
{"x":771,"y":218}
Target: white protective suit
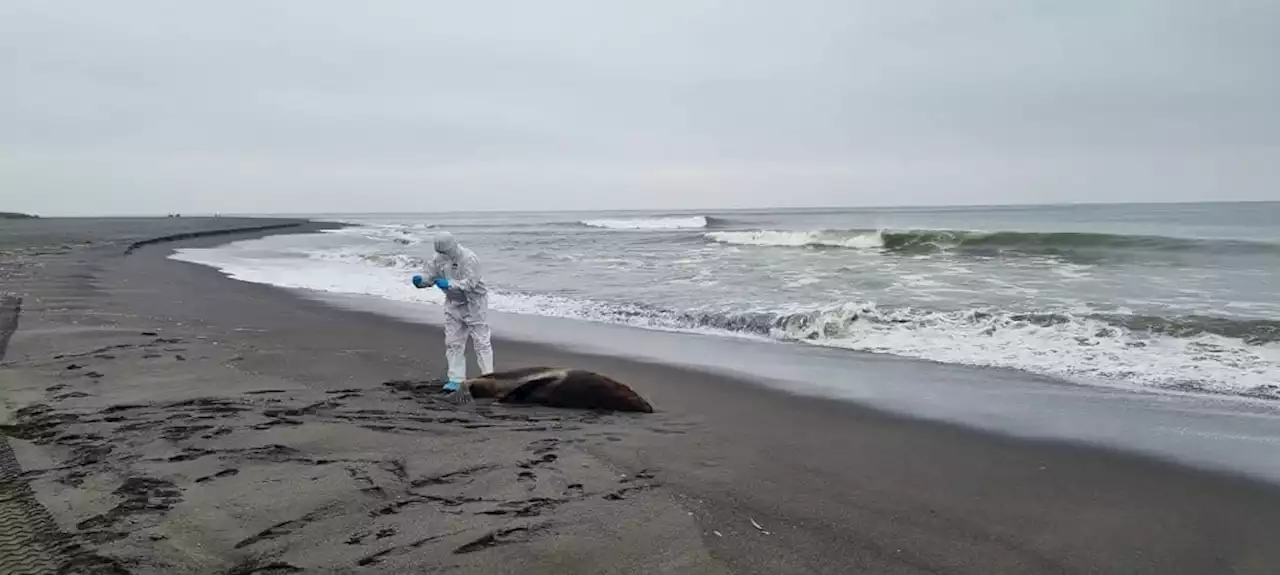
{"x":466,"y":307}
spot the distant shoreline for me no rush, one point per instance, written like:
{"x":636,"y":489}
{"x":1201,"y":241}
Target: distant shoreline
{"x":17,"y":216}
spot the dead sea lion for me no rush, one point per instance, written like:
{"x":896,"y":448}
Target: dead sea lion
{"x":554,"y":387}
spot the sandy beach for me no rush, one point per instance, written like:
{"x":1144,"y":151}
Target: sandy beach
{"x":161,"y":418}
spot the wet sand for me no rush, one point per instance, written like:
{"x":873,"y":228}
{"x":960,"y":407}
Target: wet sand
{"x":173,"y":421}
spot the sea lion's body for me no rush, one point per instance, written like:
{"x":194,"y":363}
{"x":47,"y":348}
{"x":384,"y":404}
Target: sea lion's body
{"x":572,"y":388}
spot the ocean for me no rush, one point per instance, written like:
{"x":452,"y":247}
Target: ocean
{"x":1167,"y":297}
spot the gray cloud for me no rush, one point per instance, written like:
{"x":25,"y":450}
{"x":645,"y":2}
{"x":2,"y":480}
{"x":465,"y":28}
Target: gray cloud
{"x":293,"y":106}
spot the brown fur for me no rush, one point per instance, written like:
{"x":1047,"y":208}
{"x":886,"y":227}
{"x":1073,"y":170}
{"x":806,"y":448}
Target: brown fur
{"x":570,"y":388}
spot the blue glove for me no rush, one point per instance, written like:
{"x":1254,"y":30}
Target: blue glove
{"x":442,"y":283}
{"x":417,"y":281}
{"x":451,"y":386}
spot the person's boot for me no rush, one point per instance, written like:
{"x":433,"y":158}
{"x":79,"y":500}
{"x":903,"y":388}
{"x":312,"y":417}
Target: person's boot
{"x":463,"y":394}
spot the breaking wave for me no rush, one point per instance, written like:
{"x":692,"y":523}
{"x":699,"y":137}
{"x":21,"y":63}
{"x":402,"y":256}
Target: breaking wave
{"x":831,"y":239}
{"x":658,"y":223}
{"x":405,"y":235}
{"x":987,"y":243}
{"x":1055,"y":242}
{"x":1214,"y":355}
{"x":672,"y":223}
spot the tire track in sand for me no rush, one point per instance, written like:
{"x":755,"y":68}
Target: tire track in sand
{"x":30,"y":541}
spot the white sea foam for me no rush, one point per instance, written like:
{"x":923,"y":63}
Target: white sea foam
{"x":402,"y":234}
{"x":1078,"y":348}
{"x":1070,"y":271}
{"x":669,"y":223}
{"x":774,"y":238}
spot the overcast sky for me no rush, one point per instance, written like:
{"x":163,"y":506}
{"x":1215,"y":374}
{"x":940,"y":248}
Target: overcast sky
{"x":325,"y":106}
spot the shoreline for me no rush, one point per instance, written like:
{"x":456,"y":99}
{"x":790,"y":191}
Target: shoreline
{"x":854,"y":354}
{"x":835,"y":486}
{"x":787,"y":388}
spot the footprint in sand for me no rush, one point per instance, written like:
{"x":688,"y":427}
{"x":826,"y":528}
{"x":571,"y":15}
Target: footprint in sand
{"x":219,"y":475}
{"x":70,"y":395}
{"x":543,"y":446}
{"x":545,"y":459}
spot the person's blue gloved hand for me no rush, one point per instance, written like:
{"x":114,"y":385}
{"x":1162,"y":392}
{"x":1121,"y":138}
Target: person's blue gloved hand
{"x":451,"y":386}
{"x":442,"y":283}
{"x":417,"y":281}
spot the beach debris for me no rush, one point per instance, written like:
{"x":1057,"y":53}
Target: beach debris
{"x":717,"y":534}
{"x":757,"y":526}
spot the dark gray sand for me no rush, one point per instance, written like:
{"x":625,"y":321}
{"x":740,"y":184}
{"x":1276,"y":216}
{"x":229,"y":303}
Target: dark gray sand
{"x":174,"y":421}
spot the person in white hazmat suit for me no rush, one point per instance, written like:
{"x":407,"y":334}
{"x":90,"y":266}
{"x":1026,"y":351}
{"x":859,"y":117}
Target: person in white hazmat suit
{"x":455,"y":270}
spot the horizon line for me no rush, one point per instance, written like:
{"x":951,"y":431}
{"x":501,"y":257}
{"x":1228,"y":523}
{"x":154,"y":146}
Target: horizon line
{"x":204,"y":214}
